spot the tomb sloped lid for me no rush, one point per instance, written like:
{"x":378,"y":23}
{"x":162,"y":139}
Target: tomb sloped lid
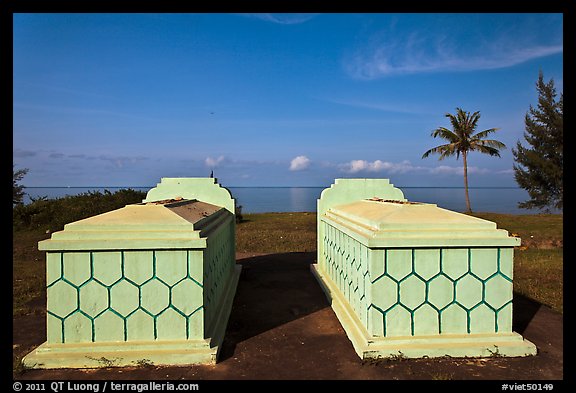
{"x":161,"y":224}
{"x":399,"y":222}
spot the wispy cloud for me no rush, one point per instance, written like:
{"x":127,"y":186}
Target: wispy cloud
{"x":451,"y":170}
{"x":23,"y":153}
{"x":436,"y":50}
{"x":383,"y":107}
{"x":214,"y":162}
{"x":50,"y":89}
{"x":378,"y":166}
{"x":299,"y":163}
{"x":121,"y":161}
{"x":118,"y":161}
{"x":79,"y":111}
{"x":356,"y":166}
{"x":283,"y":19}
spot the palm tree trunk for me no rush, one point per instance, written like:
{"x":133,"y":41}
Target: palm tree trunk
{"x":468,"y":209}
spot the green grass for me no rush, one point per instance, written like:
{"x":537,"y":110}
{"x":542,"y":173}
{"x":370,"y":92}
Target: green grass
{"x":277,"y":233}
{"x":538,"y":276}
{"x":536,"y":230}
{"x":29,"y":269}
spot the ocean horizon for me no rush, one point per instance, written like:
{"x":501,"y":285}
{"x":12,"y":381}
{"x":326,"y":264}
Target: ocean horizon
{"x":269,"y":199}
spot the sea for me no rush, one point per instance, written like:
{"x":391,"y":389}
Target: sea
{"x":303,"y":199}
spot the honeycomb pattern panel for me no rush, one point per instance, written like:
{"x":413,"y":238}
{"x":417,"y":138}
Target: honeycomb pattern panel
{"x":461,"y":290}
{"x":397,"y":322}
{"x":426,"y":320}
{"x":171,"y":325}
{"x":426,"y":263}
{"x":155,"y":297}
{"x":53,"y":268}
{"x":181,"y":295}
{"x":99,"y":296}
{"x":440,"y":292}
{"x":124,"y":297}
{"x":107,"y":267}
{"x":172,"y":267}
{"x":454,"y":319}
{"x":217,"y":263}
{"x":469,"y":291}
{"x":386,"y":290}
{"x":109,"y":327}
{"x":139,"y":326}
{"x":346,"y":261}
{"x":412,"y":292}
{"x":422,"y":291}
{"x":482,"y":319}
{"x":94,"y":298}
{"x":78,"y":328}
{"x":138,"y":266}
{"x":76,"y":267}
{"x":504,"y":318}
{"x":62,"y":299}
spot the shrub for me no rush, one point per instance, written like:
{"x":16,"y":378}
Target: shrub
{"x":53,"y":214}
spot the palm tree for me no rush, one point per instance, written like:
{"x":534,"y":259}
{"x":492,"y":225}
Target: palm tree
{"x":463,"y":139}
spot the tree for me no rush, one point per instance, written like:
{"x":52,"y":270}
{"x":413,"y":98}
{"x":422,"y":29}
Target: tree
{"x":539,"y":168}
{"x":17,"y":189}
{"x":462,"y":139}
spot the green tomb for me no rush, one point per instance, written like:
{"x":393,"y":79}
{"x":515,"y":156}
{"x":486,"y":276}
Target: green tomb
{"x":414,"y":280}
{"x":150,"y":283}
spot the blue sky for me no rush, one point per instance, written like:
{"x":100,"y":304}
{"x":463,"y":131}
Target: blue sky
{"x":270,"y":99}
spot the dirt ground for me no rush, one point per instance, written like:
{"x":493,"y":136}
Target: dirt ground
{"x":282,"y":328}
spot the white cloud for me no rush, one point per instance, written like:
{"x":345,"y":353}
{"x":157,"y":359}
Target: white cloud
{"x":474,"y":170}
{"x":283,"y":19}
{"x":213,"y":162}
{"x":384,"y":107}
{"x":391,"y":60}
{"x":299,"y":163}
{"x":23,"y":153}
{"x":356,"y":166}
{"x":448,"y":170}
{"x":437,"y":49}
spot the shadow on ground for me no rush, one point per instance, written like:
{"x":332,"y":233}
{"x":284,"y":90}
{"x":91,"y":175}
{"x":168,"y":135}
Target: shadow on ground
{"x":266,"y":299}
{"x":523,"y":311}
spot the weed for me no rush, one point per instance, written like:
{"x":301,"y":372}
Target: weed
{"x":496,"y":353}
{"x":104,"y":361}
{"x":397,"y":357}
{"x":18,"y":366}
{"x":144,"y":363}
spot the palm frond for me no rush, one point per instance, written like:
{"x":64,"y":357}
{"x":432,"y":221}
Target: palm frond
{"x":473,"y":120}
{"x":463,"y":123}
{"x":494,"y":143}
{"x":485,"y":133}
{"x":457,"y":123}
{"x":487,"y":150}
{"x":445,"y":133}
{"x":444,"y":151}
{"x":489,"y":143}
